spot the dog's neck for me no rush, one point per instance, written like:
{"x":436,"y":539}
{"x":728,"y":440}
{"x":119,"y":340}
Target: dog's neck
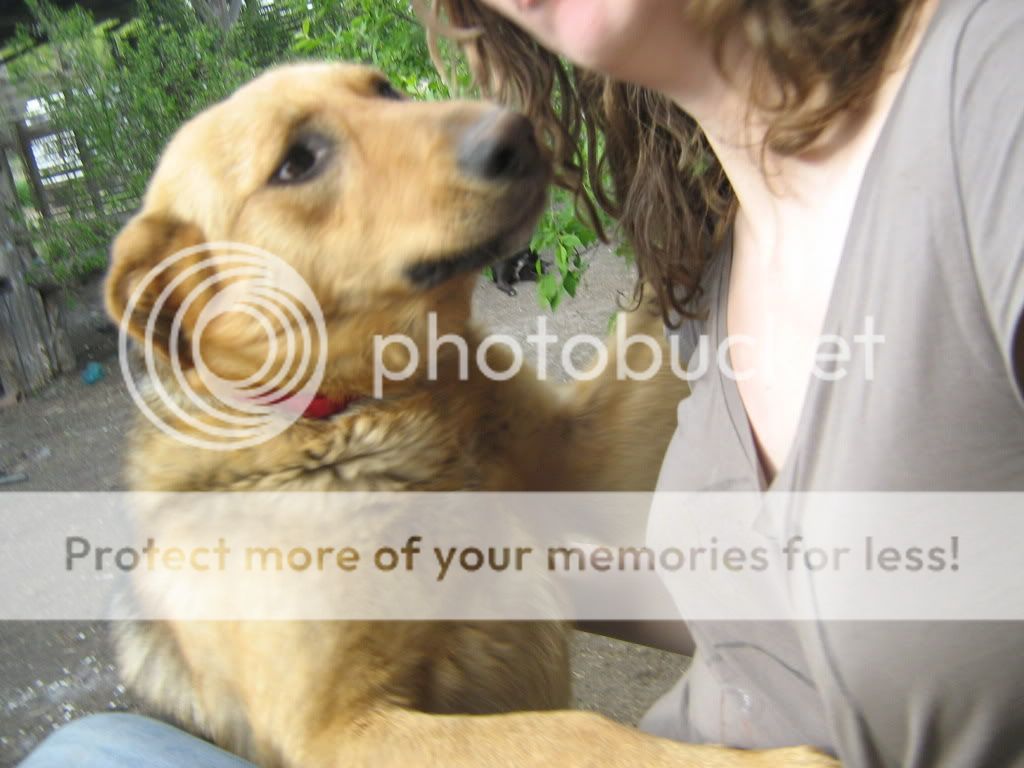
{"x":323,"y":406}
{"x":461,"y":429}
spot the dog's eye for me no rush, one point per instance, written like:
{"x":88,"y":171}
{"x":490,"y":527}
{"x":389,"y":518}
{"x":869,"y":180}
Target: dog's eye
{"x":303,"y":161}
{"x":385,"y":90}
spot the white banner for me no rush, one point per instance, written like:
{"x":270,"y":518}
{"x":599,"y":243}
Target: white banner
{"x":504,"y":556}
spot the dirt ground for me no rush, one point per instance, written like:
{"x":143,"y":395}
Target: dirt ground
{"x":69,"y":438}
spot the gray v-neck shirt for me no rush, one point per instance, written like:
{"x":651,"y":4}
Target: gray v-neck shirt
{"x":935,"y":258}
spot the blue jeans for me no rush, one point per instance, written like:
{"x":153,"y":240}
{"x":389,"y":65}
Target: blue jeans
{"x":118,"y":740}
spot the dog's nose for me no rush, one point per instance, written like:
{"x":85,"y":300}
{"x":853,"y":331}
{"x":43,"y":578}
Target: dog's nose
{"x":500,"y":147}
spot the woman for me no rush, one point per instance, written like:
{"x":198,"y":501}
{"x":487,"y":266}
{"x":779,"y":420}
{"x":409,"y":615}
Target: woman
{"x":785,"y":170}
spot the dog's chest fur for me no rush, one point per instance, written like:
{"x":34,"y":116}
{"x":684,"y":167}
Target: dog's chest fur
{"x":427,"y":441}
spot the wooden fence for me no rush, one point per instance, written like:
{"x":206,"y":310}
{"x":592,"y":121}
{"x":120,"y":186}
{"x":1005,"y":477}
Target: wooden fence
{"x":34,"y":345}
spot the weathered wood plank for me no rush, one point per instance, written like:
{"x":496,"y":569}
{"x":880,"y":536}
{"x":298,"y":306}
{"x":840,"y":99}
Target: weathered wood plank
{"x":34,"y":345}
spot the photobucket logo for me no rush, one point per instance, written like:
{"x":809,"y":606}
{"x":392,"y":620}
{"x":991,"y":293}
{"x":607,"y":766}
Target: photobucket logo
{"x":197,"y":286}
{"x":830,"y":362}
{"x":541,"y":341}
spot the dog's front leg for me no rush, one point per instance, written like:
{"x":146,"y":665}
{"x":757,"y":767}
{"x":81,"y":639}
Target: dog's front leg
{"x":568,"y":739}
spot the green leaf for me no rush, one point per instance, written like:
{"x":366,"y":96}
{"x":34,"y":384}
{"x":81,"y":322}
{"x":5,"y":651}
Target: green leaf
{"x":548,"y":291}
{"x":570,"y":283}
{"x":572,"y":241}
{"x":562,"y":258}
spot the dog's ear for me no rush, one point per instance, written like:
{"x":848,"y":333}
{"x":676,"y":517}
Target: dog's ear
{"x":157,"y":273}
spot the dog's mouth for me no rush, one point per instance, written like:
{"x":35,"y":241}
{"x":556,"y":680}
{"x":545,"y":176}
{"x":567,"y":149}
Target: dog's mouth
{"x":429,"y":273}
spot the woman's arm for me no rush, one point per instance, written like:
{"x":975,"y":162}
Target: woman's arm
{"x":651,"y":598}
{"x":987,"y":121}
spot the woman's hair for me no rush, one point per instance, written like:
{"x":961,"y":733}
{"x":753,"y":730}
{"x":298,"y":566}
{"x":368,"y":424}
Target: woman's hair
{"x":645,"y":162}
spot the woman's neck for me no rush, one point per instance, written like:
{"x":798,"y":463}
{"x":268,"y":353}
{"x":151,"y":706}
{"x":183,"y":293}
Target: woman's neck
{"x":782,"y":198}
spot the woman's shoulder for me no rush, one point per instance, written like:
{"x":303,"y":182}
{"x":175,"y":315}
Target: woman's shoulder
{"x":986,"y":121}
{"x":989,"y":49}
{"x":969,"y":43}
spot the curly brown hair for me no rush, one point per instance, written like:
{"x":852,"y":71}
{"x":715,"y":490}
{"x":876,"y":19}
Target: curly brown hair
{"x":645,"y":162}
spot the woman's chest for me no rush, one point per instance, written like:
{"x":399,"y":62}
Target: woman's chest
{"x":775,"y":337}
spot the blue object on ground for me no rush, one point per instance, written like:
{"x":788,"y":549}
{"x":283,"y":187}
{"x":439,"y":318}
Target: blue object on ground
{"x":92,"y":372}
{"x":118,"y":740}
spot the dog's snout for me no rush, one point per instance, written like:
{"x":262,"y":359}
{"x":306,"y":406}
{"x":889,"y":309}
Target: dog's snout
{"x":500,"y":147}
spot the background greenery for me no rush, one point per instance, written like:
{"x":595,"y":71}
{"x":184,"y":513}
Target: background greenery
{"x":116,"y":92}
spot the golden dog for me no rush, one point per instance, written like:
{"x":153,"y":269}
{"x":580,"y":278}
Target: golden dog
{"x":388,"y":209}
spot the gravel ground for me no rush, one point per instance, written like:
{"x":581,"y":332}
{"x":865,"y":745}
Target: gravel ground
{"x":69,"y":438}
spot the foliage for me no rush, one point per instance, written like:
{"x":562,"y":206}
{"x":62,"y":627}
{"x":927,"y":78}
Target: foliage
{"x":561,"y":233}
{"x":384,"y":33}
{"x":23,"y":193}
{"x":70,"y":250}
{"x":125,"y":92}
{"x":121,"y":94}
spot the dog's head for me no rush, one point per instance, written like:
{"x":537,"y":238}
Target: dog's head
{"x":386,"y":207}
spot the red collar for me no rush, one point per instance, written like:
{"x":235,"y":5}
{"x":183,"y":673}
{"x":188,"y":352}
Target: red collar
{"x":322,"y":406}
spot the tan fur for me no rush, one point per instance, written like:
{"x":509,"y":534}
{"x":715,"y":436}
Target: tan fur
{"x":376,"y":693}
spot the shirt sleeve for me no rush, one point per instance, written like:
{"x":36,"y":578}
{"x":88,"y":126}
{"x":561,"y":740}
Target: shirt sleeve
{"x":988,"y":135}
